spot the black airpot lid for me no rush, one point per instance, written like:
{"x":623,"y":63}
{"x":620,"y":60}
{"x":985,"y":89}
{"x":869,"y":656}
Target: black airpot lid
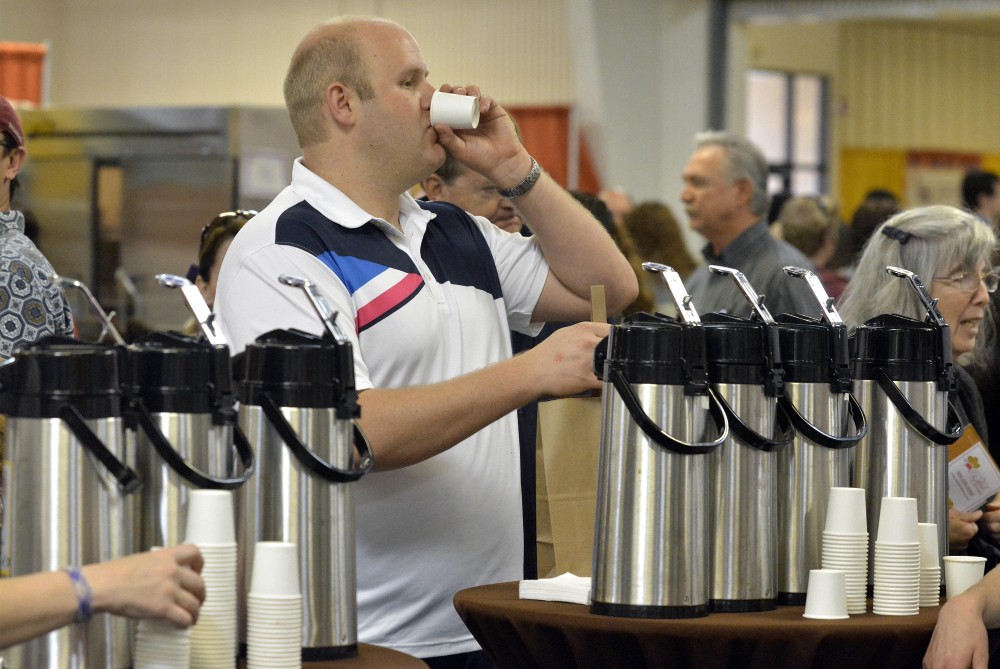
{"x":907,"y":349}
{"x":296,"y":369}
{"x":175,"y":373}
{"x":56,"y":370}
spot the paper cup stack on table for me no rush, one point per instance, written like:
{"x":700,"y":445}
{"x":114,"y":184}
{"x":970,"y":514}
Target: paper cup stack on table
{"x":274,"y":608}
{"x":160,"y":645}
{"x":461,"y":112}
{"x":211,"y":526}
{"x":961,"y":572}
{"x":845,"y":543}
{"x":826,"y":595}
{"x":930,"y":567}
{"x":897,"y":559}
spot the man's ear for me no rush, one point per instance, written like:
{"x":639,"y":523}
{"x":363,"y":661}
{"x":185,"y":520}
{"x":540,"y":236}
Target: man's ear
{"x":16,"y":162}
{"x":744,"y":191}
{"x":342,"y":103}
{"x":434,"y":187}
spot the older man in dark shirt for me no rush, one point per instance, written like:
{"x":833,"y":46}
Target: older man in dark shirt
{"x":725,"y":196}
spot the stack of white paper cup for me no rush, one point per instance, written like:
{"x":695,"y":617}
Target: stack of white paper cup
{"x":930,"y":566}
{"x":210,"y":525}
{"x":274,"y":608}
{"x":160,"y":645}
{"x":897,"y":559}
{"x":845,"y":543}
{"x":961,"y":572}
{"x":826,"y":595}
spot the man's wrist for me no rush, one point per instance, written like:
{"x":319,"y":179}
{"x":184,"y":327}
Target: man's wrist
{"x":525,"y":185}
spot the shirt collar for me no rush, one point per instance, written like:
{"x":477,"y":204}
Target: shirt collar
{"x":738,"y":246}
{"x":336,"y":206}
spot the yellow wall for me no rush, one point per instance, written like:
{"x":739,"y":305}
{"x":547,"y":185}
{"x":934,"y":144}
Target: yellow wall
{"x":864,"y":169}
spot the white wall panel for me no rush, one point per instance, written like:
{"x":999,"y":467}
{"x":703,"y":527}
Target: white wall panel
{"x":191,"y":52}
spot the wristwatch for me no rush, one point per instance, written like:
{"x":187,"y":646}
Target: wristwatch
{"x":526,"y":184}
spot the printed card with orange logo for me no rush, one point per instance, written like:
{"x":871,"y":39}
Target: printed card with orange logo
{"x":973,"y":476}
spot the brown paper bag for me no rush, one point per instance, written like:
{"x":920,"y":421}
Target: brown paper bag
{"x":566,"y":454}
{"x":569,"y":433}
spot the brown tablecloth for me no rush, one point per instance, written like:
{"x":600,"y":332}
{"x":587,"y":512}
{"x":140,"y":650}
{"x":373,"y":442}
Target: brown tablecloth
{"x":525,"y":633}
{"x":368,"y":657}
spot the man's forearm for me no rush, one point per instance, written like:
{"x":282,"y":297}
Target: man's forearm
{"x":408,"y":425}
{"x":578,"y":250}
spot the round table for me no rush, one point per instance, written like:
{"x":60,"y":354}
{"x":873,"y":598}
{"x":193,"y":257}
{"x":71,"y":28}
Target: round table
{"x":368,"y":657}
{"x":528,"y":633}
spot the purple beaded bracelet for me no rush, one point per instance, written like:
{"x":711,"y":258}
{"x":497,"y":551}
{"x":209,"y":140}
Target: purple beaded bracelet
{"x":84,"y":596}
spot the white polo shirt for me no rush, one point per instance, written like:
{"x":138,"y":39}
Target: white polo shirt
{"x":425,"y":305}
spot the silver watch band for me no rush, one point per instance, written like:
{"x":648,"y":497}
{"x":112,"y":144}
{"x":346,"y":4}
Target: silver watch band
{"x":526,"y":184}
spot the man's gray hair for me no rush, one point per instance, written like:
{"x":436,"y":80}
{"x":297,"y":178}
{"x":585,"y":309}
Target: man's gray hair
{"x":743,"y":160}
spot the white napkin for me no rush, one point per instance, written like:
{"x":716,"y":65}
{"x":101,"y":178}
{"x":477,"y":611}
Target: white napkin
{"x":564,"y":588}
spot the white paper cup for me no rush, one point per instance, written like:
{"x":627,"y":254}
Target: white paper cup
{"x":928,"y":544}
{"x":897,"y":521}
{"x":845,"y":511}
{"x":961,"y":572}
{"x":210,"y":517}
{"x":826,"y":595}
{"x":275,"y":569}
{"x":461,"y":112}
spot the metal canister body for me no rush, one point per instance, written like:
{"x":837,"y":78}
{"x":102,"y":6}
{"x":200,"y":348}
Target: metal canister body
{"x":65,"y":509}
{"x":651,"y":543}
{"x":743,"y":508}
{"x":805,"y":473}
{"x":179,"y":391}
{"x":903,"y":377}
{"x":194,"y":437}
{"x":68,"y":479}
{"x":895,"y":460}
{"x":297,"y":409}
{"x":283,"y":501}
{"x":745,"y":371}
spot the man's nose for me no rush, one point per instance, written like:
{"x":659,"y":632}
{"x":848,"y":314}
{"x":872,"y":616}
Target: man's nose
{"x":426,"y":94}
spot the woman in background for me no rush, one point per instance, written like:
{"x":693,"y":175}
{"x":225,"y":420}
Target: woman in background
{"x":215,"y":240}
{"x":657,"y":237}
{"x":812,"y":225}
{"x":950,"y":251}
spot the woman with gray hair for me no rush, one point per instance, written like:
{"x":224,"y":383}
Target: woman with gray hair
{"x":950,"y":251}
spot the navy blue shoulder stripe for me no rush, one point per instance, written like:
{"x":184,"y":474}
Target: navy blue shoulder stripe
{"x":455,"y":250}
